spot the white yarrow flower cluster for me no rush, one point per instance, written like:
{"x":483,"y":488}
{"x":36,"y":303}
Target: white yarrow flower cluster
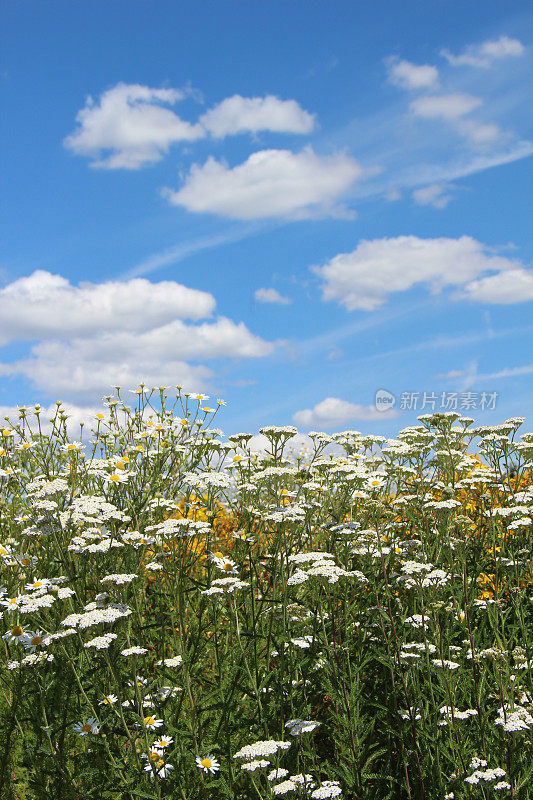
{"x":264,"y":748}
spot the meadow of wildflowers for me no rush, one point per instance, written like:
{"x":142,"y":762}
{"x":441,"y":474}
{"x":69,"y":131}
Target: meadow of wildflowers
{"x":184,"y":617}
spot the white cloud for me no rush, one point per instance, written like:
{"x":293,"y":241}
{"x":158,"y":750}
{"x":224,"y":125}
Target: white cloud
{"x":436,"y":195}
{"x":507,"y":372}
{"x":56,"y":369}
{"x":252,"y":114}
{"x":445,"y":106}
{"x":129,"y":127}
{"x":392,"y":196}
{"x":96,"y":336}
{"x":270,"y":183}
{"x":365,"y":277}
{"x":334,"y":412}
{"x":271,"y":296}
{"x":485,"y":54}
{"x":43,"y":304}
{"x":505,"y":288}
{"x":75,"y":415}
{"x":411,"y":76}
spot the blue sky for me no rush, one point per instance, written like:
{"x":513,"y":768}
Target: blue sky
{"x":289,"y":205}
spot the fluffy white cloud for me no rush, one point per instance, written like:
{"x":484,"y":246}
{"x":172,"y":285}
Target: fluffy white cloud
{"x":411,"y":76}
{"x":56,"y":369}
{"x":96,"y":336}
{"x":252,"y":114}
{"x":334,"y":412}
{"x":504,"y":288}
{"x":43,"y":304}
{"x":271,"y":296}
{"x":485,"y":54}
{"x":75,"y":415}
{"x":270,"y":183}
{"x":436,"y":195}
{"x":129,"y":127}
{"x":365,"y":277}
{"x":445,"y":106}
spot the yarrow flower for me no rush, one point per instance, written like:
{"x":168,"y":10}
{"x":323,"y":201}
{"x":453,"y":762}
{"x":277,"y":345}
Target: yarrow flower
{"x":258,"y":763}
{"x":133,"y":651}
{"x":264,"y":748}
{"x":327,"y":789}
{"x":298,"y":726}
{"x":101,"y":642}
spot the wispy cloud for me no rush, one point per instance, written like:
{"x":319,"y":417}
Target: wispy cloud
{"x":437,"y":195}
{"x":485,"y":54}
{"x":173,"y":255}
{"x":271,"y":296}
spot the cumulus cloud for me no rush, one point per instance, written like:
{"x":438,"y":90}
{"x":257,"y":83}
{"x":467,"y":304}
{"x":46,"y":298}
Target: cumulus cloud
{"x":55,"y":369}
{"x":271,"y":296}
{"x":270,"y":183}
{"x":129,"y":127}
{"x":437,"y":195}
{"x":43,"y":304}
{"x":364,"y":278}
{"x":445,"y":106}
{"x":486,"y":53}
{"x":96,"y":336}
{"x":253,"y":114}
{"x":504,"y":288}
{"x":407,"y":75}
{"x":334,"y":412}
{"x":75,"y":416}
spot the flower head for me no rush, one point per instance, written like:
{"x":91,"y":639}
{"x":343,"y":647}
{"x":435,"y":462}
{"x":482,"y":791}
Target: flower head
{"x":89,"y":726}
{"x":207,"y":764}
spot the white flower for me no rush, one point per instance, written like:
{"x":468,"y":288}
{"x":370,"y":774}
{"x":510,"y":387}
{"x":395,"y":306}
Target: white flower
{"x":207,"y":764}
{"x":262,"y":748}
{"x":101,"y":642}
{"x":259,"y":763}
{"x":152,"y":723}
{"x":442,"y":662}
{"x":277,"y":774}
{"x":298,"y":726}
{"x":119,"y":579}
{"x":284,"y":787}
{"x":162,"y":742}
{"x":327,"y":789}
{"x":89,"y":726}
{"x":38,"y":583}
{"x":35,"y":640}
{"x":175,"y":661}
{"x":108,"y":700}
{"x":134,"y":651}
{"x":16,"y":635}
{"x":517,"y":720}
{"x":155,"y":757}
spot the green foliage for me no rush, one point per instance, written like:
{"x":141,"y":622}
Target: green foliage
{"x":358,"y":612}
